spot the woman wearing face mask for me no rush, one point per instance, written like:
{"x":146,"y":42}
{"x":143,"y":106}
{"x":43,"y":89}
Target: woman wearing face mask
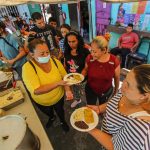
{"x":43,"y":79}
{"x":101,"y":67}
{"x":126,"y":125}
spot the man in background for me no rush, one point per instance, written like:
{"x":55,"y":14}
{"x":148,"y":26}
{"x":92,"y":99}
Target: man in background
{"x":43,"y":31}
{"x":127,"y":43}
{"x":11,"y":50}
{"x":52,"y":21}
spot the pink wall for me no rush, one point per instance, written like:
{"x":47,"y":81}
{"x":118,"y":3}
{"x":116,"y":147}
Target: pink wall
{"x":103,"y":11}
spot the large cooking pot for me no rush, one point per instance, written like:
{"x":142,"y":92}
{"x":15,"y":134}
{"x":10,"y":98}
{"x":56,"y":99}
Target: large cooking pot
{"x":16,"y":135}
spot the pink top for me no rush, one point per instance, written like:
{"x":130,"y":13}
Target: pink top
{"x":127,"y":40}
{"x":100,"y":74}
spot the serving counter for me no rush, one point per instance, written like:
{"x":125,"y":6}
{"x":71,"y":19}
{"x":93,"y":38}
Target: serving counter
{"x":27,"y":110}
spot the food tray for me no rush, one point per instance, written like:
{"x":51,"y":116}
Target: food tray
{"x":11,"y":98}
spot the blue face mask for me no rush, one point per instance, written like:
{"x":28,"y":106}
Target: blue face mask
{"x":43,"y":60}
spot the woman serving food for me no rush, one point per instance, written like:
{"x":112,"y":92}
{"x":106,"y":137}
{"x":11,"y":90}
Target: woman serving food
{"x":127,"y":121}
{"x":43,"y":79}
{"x":101,"y":67}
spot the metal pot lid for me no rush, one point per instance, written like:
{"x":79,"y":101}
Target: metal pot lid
{"x":12,"y":131}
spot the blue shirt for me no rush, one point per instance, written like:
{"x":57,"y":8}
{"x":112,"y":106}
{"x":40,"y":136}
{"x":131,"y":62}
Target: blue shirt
{"x":61,"y":45}
{"x":9,"y":52}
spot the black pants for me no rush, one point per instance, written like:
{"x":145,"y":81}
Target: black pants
{"x":49,"y":110}
{"x":123,"y":52}
{"x":91,"y":96}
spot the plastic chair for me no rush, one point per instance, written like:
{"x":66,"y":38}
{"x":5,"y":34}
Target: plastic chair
{"x":141,"y":54}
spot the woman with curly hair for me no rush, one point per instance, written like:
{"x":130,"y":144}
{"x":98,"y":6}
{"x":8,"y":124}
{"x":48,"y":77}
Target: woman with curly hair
{"x":75,"y":55}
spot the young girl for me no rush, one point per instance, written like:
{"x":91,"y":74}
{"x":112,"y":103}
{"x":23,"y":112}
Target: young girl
{"x":64,"y":28}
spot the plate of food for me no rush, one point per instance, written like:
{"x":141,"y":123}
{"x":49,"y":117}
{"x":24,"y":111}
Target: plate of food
{"x":84,"y":119}
{"x":73,"y":78}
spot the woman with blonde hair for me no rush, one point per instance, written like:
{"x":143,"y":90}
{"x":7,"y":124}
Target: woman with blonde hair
{"x":101,"y":67}
{"x":127,"y":121}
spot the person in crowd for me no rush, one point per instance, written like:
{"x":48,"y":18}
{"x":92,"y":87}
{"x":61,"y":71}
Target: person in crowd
{"x":9,"y":24}
{"x":52,"y":22}
{"x":127,"y":121}
{"x":25,"y":28}
{"x":64,"y":28}
{"x":101,"y":67}
{"x":44,"y":31}
{"x":12,"y":50}
{"x":75,"y":55}
{"x":18,"y":22}
{"x":127,"y":43}
{"x":31,"y":24}
{"x":42,"y":76}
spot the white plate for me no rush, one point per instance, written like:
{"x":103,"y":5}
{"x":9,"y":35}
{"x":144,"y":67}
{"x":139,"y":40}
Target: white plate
{"x":91,"y":125}
{"x":70,"y":80}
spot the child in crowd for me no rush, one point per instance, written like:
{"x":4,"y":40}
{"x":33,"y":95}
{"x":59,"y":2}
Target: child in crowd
{"x":64,"y":28}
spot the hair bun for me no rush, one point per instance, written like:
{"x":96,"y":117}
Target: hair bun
{"x":107,"y":36}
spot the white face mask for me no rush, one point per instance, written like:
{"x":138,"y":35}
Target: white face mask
{"x":43,"y":60}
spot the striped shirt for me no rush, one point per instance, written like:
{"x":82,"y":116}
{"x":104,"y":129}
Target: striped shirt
{"x":128,"y":133}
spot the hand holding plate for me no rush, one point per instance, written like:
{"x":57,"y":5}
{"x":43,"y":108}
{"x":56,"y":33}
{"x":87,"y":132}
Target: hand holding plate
{"x":95,"y":108}
{"x":62,"y":83}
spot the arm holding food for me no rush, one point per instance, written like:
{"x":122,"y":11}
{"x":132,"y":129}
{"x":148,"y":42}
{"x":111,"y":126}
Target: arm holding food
{"x":68,"y":92}
{"x":100,"y":136}
{"x":98,"y":109}
{"x":48,"y":87}
{"x":32,"y":82}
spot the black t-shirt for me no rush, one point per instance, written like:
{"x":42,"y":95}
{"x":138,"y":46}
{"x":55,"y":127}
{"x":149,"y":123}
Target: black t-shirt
{"x":48,"y":34}
{"x":19,"y":23}
{"x":26,"y":26}
{"x":76,"y":63}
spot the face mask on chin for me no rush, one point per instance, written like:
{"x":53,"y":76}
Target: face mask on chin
{"x":43,"y":60}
